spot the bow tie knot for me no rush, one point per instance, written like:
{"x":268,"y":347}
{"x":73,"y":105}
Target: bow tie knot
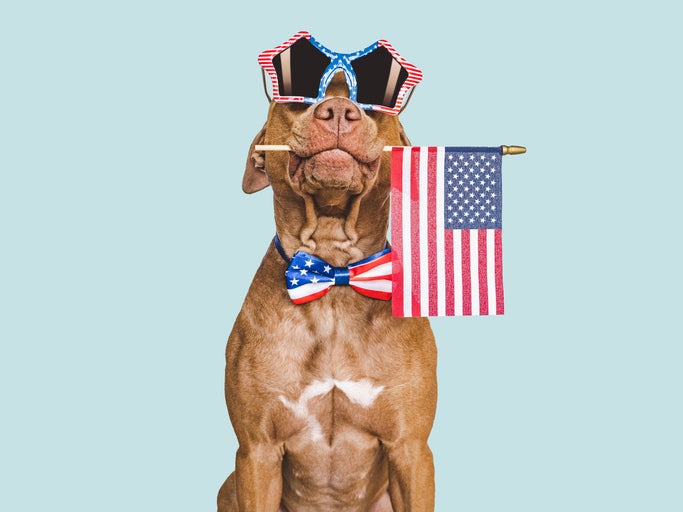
{"x":310,"y":277}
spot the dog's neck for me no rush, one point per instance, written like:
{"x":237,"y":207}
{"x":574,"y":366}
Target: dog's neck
{"x":339,"y":239}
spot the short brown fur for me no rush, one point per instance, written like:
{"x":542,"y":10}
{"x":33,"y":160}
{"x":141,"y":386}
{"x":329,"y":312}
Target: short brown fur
{"x":331,"y":199}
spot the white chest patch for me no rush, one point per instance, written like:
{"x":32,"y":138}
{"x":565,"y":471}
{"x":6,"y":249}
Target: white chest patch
{"x":360,"y":392}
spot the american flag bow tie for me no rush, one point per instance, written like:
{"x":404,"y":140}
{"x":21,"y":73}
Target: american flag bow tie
{"x":309,"y":277}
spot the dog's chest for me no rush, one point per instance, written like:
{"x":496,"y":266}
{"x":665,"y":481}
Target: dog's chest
{"x":327,"y":407}
{"x":340,"y":384}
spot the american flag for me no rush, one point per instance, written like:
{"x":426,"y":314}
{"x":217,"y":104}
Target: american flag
{"x":446,"y":232}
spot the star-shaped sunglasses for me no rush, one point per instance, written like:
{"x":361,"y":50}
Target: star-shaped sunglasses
{"x":377,"y":77}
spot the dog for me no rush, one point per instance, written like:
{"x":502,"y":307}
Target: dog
{"x":332,"y":401}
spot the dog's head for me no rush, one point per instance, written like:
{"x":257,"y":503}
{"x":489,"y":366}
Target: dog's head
{"x":336,"y":169}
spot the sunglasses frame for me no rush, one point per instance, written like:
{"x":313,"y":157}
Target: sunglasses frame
{"x":340,"y":62}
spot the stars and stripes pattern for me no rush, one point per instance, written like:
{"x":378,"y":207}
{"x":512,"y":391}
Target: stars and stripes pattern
{"x":309,"y":277}
{"x":447,"y":231}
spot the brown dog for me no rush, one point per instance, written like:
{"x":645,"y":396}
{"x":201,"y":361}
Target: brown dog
{"x":332,"y":401}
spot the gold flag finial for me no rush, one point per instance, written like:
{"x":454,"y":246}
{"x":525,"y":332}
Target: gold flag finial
{"x":513,"y":150}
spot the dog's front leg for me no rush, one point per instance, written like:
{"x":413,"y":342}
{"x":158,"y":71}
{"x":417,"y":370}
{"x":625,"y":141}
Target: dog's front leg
{"x":258,"y":472}
{"x":411,"y":476}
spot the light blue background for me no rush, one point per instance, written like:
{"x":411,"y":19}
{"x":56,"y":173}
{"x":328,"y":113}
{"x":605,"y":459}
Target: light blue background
{"x":127,"y":246}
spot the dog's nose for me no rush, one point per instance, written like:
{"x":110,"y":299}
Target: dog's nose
{"x":338,"y":115}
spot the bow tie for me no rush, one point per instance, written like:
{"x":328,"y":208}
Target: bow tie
{"x":309,"y":277}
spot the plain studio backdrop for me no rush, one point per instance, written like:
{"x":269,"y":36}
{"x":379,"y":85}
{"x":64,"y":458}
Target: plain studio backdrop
{"x":127,"y":246}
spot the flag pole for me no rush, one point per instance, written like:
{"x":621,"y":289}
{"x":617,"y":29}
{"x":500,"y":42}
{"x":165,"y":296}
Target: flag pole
{"x":507,"y":150}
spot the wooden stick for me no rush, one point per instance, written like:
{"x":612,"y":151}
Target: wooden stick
{"x":507,"y":150}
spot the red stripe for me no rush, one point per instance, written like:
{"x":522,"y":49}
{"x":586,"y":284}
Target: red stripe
{"x":397,"y":231}
{"x":356,"y":270}
{"x":483,"y":280}
{"x":415,"y":228}
{"x":450,"y":275}
{"x":431,"y":240}
{"x":375,"y":294}
{"x":466,"y":274}
{"x":500,"y":307}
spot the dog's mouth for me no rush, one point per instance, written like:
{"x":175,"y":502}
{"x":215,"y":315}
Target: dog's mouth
{"x":331,"y":169}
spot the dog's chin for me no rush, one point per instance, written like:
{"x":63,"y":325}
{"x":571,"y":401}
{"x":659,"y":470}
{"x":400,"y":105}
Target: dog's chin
{"x":332,"y":176}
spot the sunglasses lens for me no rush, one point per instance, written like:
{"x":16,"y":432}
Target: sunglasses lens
{"x":379,"y":77}
{"x":299,"y":69}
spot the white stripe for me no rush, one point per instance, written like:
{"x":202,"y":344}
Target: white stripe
{"x":440,"y":244}
{"x":380,"y":270}
{"x":407,"y":248}
{"x":424,"y":231}
{"x":457,"y":273}
{"x":308,"y":289}
{"x":474,"y":269}
{"x":491,"y":269}
{"x":381,"y":285}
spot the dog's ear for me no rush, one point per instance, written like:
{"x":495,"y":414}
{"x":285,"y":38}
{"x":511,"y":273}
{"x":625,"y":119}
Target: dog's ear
{"x":255,"y":177}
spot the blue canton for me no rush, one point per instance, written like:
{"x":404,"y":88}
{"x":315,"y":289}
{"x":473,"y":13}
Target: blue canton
{"x":473,"y":188}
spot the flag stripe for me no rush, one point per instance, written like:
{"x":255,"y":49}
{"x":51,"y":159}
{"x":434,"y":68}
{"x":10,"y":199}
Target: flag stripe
{"x":500,"y":309}
{"x":398,"y":275}
{"x":450,"y":278}
{"x":466,"y":275}
{"x":483,"y":278}
{"x":491,"y":271}
{"x":429,"y":235}
{"x":457,"y":264}
{"x":438,"y":253}
{"x":406,"y":229}
{"x":414,"y":225}
{"x":474,"y":270}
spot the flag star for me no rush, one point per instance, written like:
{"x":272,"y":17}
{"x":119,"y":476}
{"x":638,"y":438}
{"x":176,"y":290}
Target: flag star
{"x":493,"y":157}
{"x":483,"y":157}
{"x":327,"y":268}
{"x":294,"y":281}
{"x":314,"y":280}
{"x":493,"y":182}
{"x":471,"y":157}
{"x":450,"y":157}
{"x":462,"y":157}
{"x":295,"y":267}
{"x":309,"y":263}
{"x":304,"y":272}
